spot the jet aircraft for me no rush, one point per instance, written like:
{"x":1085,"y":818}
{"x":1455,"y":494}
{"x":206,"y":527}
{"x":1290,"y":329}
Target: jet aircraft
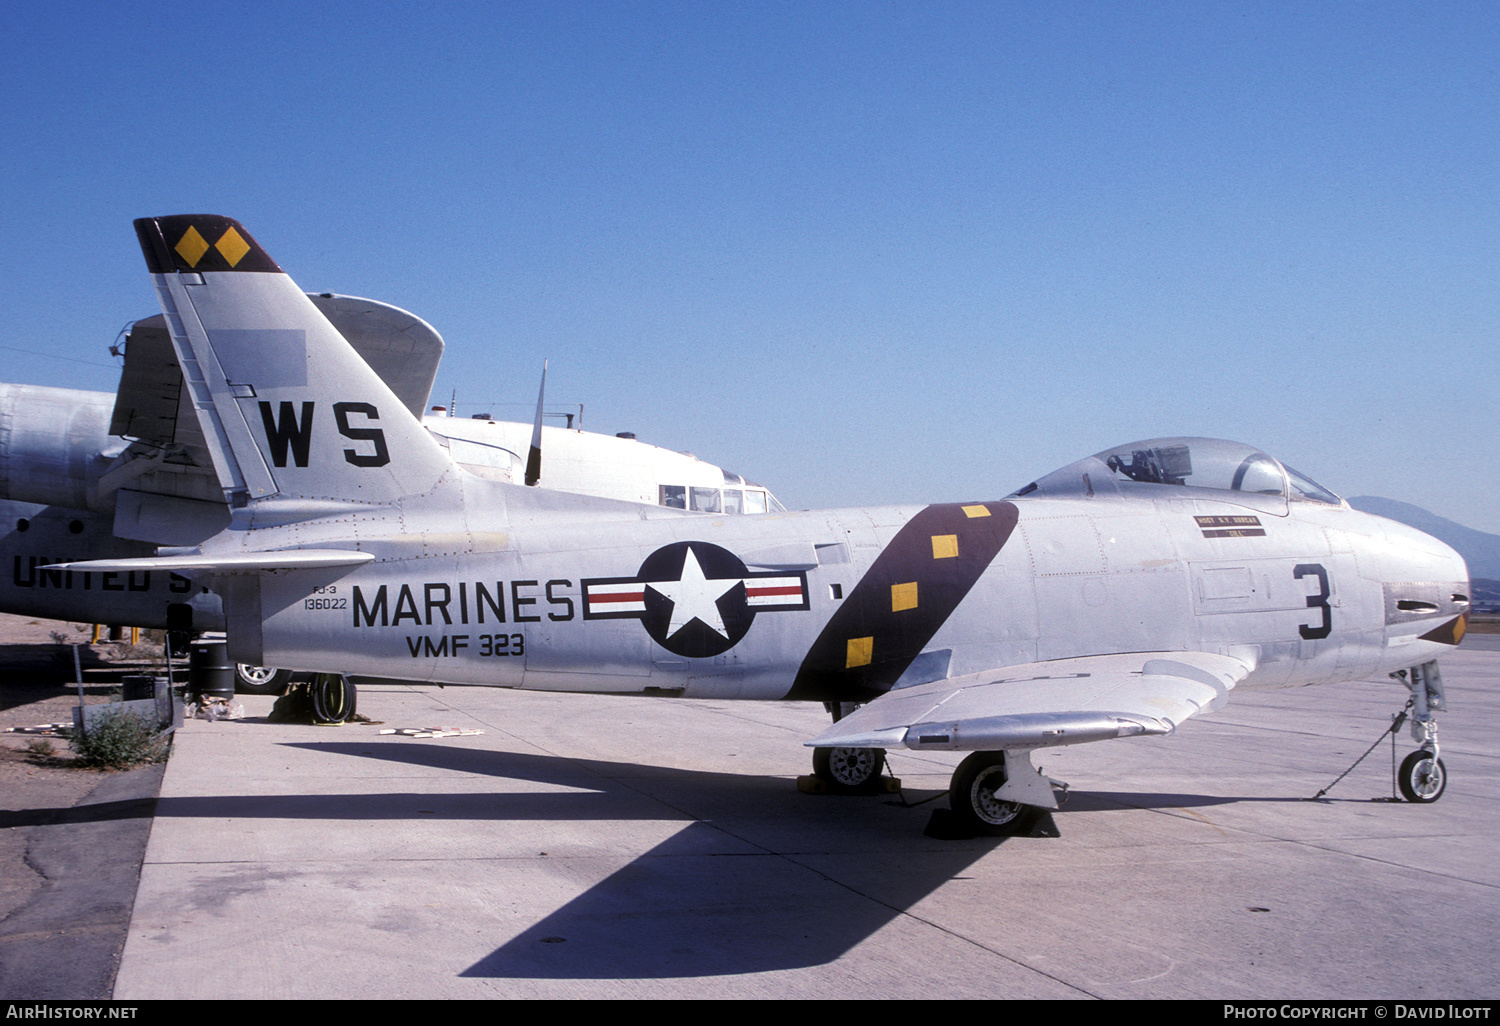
{"x":1114,"y":598}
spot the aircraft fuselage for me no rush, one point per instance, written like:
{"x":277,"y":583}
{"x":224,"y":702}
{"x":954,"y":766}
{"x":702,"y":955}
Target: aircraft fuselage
{"x":845,"y":605}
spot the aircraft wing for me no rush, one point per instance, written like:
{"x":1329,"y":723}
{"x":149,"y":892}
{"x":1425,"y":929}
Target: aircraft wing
{"x":1043,"y":705}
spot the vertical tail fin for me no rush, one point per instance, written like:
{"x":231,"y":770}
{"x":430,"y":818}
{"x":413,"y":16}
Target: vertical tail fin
{"x":286,"y":404}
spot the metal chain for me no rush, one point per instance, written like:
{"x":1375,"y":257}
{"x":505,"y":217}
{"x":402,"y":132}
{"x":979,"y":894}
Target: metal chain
{"x":1391,"y":730}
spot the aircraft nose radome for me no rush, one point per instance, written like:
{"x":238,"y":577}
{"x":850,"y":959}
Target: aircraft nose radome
{"x":1414,"y":555}
{"x":1426,"y":586}
{"x":1446,"y":561}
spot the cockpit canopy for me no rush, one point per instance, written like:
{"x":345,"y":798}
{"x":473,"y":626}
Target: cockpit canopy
{"x":1208,"y":467}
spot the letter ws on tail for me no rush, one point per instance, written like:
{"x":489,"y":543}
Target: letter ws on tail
{"x":286,"y":405}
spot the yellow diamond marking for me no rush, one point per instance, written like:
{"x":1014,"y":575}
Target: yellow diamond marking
{"x":944,"y":546}
{"x":860,"y":650}
{"x":191,"y":246}
{"x":976,"y":511}
{"x":233,"y":246}
{"x":903,"y":596}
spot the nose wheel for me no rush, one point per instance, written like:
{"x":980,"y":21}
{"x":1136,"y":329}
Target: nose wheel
{"x":1422,"y":778}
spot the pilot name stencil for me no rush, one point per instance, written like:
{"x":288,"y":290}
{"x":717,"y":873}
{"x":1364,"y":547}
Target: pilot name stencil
{"x":1230,"y":526}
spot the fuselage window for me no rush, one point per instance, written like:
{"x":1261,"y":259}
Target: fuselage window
{"x":706,"y":500}
{"x":674,"y":496}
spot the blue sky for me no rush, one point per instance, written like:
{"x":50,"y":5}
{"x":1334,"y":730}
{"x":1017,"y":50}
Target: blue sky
{"x":864,"y":253}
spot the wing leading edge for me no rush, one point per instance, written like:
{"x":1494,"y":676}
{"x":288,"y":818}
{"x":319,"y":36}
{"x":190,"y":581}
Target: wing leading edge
{"x":1043,"y":705}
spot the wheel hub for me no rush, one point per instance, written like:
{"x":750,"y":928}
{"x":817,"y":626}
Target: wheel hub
{"x":992,"y":810}
{"x":1427,"y":778}
{"x":853,"y":766}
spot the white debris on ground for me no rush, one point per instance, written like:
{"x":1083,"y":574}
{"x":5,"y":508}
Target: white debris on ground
{"x":433,"y":731}
{"x":44,"y":729}
{"x":214,"y":709}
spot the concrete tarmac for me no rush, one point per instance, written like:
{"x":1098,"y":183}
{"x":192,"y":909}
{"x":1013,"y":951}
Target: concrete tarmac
{"x":608,"y":847}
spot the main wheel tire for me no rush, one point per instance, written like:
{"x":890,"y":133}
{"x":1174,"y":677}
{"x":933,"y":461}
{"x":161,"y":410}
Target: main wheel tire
{"x":334,"y":698}
{"x":250,"y":679}
{"x":849,"y":770}
{"x":971,"y":797}
{"x":1423,"y":777}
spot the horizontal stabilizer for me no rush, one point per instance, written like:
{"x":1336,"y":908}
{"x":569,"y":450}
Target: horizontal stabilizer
{"x":1043,"y":705}
{"x":227,"y":562}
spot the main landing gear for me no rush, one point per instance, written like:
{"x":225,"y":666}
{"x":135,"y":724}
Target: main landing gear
{"x":847,"y":770}
{"x":322,"y":699}
{"x":998,"y":794}
{"x":251,"y":679}
{"x":992,"y":794}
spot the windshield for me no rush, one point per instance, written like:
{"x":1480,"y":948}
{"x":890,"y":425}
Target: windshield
{"x":1304,"y":487}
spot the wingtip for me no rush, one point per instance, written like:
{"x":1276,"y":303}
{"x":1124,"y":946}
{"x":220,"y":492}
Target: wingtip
{"x":200,"y":242}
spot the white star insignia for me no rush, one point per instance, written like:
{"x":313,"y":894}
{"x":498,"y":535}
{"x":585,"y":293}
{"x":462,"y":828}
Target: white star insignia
{"x":695,"y":597}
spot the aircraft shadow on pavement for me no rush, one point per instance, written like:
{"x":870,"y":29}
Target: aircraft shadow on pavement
{"x":759,"y":878}
{"x":1101,"y":801}
{"x":675,"y":912}
{"x":99,"y":812}
{"x":597,"y":789}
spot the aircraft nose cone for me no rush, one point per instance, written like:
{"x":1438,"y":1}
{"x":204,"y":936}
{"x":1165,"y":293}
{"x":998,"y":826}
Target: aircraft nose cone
{"x":1426,"y":586}
{"x":1413,"y":555}
{"x":1448,"y":565}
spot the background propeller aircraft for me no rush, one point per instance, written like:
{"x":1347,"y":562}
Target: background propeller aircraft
{"x":74,"y":465}
{"x":1114,"y":598}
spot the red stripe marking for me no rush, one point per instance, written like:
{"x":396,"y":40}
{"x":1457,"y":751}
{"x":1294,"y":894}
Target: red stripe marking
{"x":618,"y":596}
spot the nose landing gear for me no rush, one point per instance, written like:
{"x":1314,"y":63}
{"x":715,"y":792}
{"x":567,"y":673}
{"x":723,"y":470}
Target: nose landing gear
{"x":1423,"y":777}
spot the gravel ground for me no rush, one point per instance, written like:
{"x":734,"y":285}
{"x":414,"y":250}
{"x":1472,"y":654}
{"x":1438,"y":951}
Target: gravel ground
{"x":71,"y":838}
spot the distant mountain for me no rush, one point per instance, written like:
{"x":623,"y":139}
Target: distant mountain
{"x":1486,"y":594}
{"x":1480,"y":549}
